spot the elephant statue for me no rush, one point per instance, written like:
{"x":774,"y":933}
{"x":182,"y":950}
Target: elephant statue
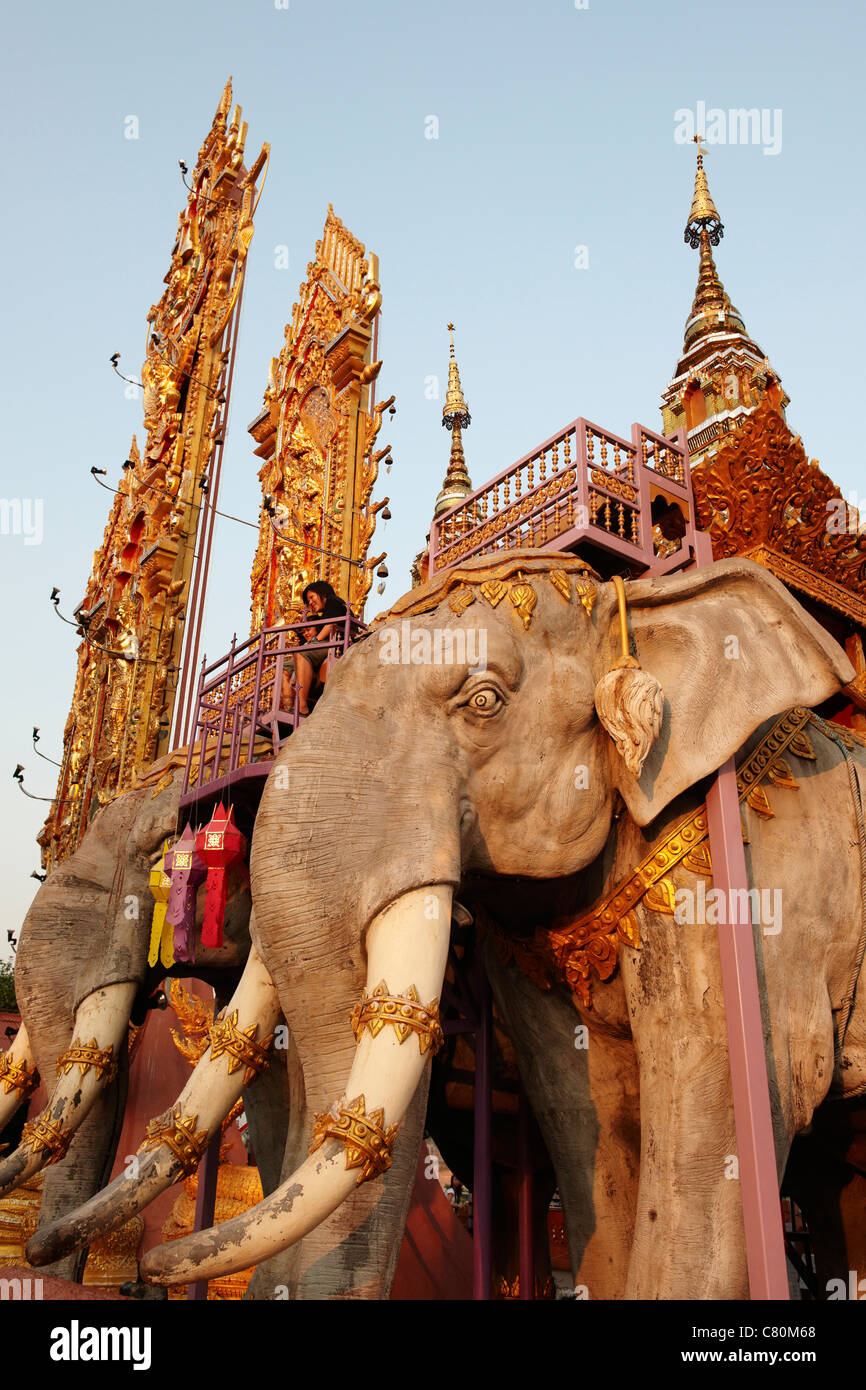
{"x":82,"y":975}
{"x":526,"y":738}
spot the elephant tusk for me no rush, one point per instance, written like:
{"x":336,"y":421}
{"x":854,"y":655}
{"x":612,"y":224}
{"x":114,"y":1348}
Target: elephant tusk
{"x":176,"y":1143}
{"x":406,"y":943}
{"x":87,"y":1066}
{"x":18,"y":1076}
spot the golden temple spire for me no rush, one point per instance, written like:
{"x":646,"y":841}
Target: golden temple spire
{"x":703,"y":214}
{"x":456,"y":418}
{"x":722,"y":373}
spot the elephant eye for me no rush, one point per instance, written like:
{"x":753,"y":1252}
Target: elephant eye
{"x":486,"y":701}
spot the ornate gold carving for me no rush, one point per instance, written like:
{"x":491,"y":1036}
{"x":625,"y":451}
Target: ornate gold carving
{"x":180,"y":1134}
{"x":460,"y":601}
{"x":699,"y":862}
{"x":524,"y":599}
{"x":506,"y":1290}
{"x":761,"y":497}
{"x":614,"y":485}
{"x":801,"y":746}
{"x":240,"y":1046}
{"x":135,"y":602}
{"x":368,"y":1143}
{"x":87,"y":1055}
{"x":494,"y":591}
{"x":41,"y":1134}
{"x":404,"y":1012}
{"x":575,"y":948}
{"x":317,"y":433}
{"x":759,"y":801}
{"x":18,"y":1076}
{"x":587,"y":593}
{"x":659,"y":897}
{"x":561,"y":583}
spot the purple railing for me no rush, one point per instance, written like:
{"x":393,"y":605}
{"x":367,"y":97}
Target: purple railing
{"x":582,"y":483}
{"x":242,"y":714}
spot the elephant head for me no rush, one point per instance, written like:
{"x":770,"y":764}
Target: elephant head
{"x":81,"y":969}
{"x":477,"y":733}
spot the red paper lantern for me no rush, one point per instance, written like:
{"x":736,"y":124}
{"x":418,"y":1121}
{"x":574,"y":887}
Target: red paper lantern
{"x":220,"y":845}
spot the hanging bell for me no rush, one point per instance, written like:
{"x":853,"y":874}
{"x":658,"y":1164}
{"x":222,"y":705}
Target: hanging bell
{"x":186,"y":871}
{"x":160,"y":934}
{"x":220,"y":845}
{"x":382,"y":572}
{"x":386,"y":513}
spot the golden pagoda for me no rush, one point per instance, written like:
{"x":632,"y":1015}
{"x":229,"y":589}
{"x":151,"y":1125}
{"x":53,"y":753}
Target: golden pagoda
{"x":456,"y":418}
{"x":139,"y":615}
{"x":722,"y":374}
{"x":757,"y":494}
{"x":316,"y":435}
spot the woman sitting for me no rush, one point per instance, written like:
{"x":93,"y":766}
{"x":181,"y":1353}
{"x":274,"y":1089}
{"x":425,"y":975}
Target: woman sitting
{"x":321,"y":601}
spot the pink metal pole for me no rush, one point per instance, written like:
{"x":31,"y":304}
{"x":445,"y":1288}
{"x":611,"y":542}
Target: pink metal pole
{"x":756,"y":1150}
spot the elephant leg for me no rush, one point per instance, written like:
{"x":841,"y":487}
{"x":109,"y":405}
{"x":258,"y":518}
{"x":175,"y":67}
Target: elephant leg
{"x":582,"y":1087}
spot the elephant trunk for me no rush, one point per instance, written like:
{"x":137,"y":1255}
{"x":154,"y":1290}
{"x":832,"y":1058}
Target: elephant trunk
{"x":87,"y":1066}
{"x":407,"y":945}
{"x":239,"y":1044}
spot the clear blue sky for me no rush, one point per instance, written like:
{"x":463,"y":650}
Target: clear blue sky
{"x":555,"y":129}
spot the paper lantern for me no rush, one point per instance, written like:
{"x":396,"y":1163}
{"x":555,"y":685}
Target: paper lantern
{"x":220,"y":845}
{"x":186,"y":871}
{"x":160,"y":934}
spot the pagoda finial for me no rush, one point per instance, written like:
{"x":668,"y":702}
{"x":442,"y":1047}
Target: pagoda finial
{"x":456,"y":418}
{"x":703,"y":215}
{"x":455,"y":409}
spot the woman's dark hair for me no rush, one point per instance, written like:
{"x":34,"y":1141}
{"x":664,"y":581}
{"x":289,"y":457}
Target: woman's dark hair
{"x":322,"y":588}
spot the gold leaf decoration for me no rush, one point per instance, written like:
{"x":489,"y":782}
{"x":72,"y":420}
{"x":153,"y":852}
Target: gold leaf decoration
{"x":524,"y":598}
{"x":460,"y":601}
{"x":587,"y":593}
{"x":801,"y":746}
{"x":494,"y":591}
{"x":560,"y":581}
{"x":628,"y":928}
{"x":660,"y":897}
{"x":698,"y":861}
{"x":759,"y":801}
{"x":780,"y":773}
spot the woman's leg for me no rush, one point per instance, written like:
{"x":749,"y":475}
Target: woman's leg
{"x":303,"y":680}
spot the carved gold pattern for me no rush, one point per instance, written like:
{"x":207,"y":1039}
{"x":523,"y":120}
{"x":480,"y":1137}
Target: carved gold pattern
{"x":762,"y":498}
{"x":240,"y":1046}
{"x":461,"y":601}
{"x":180,"y":1134}
{"x":18,"y":1076}
{"x":511,"y":1290}
{"x":561,"y":583}
{"x":575,"y":948}
{"x":41,"y":1134}
{"x":136,"y":597}
{"x":587,"y":593}
{"x":494,"y":591}
{"x":404,"y":1012}
{"x":316,"y":435}
{"x":368,"y":1143}
{"x":523,"y":597}
{"x":238,"y":1188}
{"x":87,"y":1055}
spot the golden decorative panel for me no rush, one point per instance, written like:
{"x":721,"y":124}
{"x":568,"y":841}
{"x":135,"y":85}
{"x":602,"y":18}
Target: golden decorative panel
{"x":762,"y":498}
{"x":316,"y":436}
{"x":134,"y":609}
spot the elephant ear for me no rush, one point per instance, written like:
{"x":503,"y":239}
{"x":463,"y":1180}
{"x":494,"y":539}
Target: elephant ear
{"x":722,"y":648}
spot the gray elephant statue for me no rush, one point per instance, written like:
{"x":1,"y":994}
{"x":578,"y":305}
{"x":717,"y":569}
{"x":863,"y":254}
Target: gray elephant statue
{"x":492,"y":740}
{"x":81,"y":976}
